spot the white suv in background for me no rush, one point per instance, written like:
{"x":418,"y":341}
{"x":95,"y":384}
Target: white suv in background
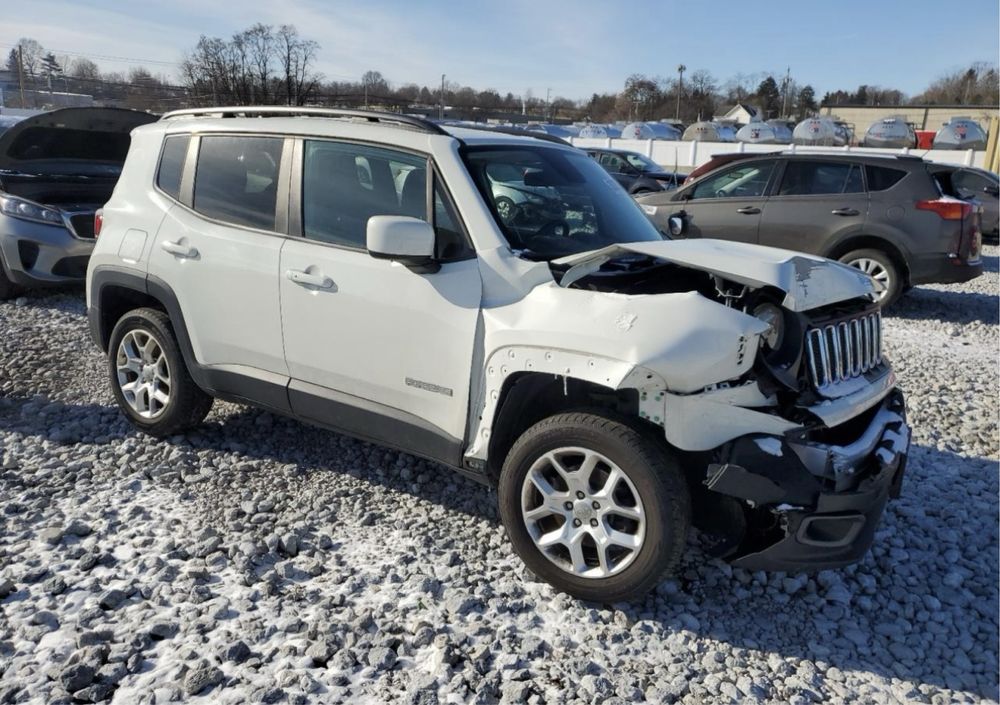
{"x":353,"y":270}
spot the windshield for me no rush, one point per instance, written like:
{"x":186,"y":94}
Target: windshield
{"x":553,"y":202}
{"x":642,"y":162}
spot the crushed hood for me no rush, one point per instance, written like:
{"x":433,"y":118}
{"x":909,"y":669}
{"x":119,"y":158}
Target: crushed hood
{"x":808,"y":281}
{"x":65,"y":140}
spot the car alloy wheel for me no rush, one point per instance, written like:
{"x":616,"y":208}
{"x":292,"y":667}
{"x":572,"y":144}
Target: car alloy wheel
{"x":582,"y":512}
{"x":143,"y":373}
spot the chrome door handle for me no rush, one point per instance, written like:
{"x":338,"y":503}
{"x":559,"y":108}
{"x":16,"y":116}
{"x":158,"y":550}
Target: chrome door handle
{"x":175,"y":248}
{"x":320,"y":281}
{"x":748,"y":210}
{"x":845,"y":211}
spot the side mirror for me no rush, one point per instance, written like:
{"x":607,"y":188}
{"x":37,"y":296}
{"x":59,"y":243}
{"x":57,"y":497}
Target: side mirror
{"x":409,"y":241}
{"x":992,"y":190}
{"x":675,"y":224}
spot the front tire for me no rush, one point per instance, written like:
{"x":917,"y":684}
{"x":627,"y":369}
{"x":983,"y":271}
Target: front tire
{"x":880,"y":267}
{"x":594,"y":507}
{"x":148,"y":376}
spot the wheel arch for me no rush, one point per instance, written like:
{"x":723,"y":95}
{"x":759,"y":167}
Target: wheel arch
{"x":526,"y":398}
{"x":873,"y":242}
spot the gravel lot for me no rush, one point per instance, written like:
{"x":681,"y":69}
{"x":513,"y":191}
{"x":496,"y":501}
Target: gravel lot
{"x":259,"y":560}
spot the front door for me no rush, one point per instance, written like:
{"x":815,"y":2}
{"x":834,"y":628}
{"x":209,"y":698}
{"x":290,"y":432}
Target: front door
{"x":728,"y":205}
{"x":372,"y":347}
{"x":815,"y":204}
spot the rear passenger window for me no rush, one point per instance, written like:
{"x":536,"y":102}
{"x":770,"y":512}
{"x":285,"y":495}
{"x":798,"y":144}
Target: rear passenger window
{"x":881,"y":178}
{"x":818,"y":178}
{"x":237,"y":179}
{"x":168,"y":176}
{"x":343,"y":185}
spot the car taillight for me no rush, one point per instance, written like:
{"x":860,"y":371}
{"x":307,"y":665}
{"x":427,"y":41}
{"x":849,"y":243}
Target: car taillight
{"x":98,"y":222}
{"x":947,"y":208}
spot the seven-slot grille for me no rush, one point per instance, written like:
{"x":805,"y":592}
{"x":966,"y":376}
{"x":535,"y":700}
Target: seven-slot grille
{"x":843,"y":350}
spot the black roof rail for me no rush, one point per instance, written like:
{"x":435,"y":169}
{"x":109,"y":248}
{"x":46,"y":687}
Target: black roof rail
{"x":517,"y":132}
{"x":289,"y":111}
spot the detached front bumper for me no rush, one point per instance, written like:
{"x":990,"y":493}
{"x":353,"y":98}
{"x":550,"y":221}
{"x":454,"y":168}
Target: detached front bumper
{"x":822,"y":501}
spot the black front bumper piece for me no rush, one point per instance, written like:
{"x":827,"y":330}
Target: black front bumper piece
{"x":824,"y":500}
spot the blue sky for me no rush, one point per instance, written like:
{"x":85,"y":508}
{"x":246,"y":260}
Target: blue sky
{"x":574,"y":47}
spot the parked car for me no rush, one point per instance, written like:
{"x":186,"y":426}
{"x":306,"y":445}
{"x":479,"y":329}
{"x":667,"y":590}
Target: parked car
{"x":886,"y":215}
{"x":636,"y":172}
{"x":612,"y":385}
{"x":56,"y":170}
{"x":517,"y":202}
{"x":971,"y":183}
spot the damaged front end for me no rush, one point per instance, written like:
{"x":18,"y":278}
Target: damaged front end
{"x":792,"y":462}
{"x":808,"y":501}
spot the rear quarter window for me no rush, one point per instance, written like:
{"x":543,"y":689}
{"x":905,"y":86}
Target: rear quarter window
{"x":881,"y":178}
{"x":172,"y":158}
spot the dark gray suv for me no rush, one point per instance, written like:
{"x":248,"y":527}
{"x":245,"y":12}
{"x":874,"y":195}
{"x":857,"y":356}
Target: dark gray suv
{"x":890,"y":216}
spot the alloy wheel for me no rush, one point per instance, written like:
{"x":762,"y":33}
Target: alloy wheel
{"x":143,"y":373}
{"x":582,"y":512}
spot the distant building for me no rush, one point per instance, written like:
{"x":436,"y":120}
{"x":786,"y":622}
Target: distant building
{"x":741,"y":114}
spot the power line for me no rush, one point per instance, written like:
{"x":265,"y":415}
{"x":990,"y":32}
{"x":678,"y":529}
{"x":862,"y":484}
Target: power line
{"x":102,"y":57}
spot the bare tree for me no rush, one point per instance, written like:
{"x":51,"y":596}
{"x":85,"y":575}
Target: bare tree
{"x":296,"y":57}
{"x":31,"y":55}
{"x":85,"y":69}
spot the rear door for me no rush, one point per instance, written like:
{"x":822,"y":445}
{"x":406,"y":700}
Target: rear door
{"x":218,"y":250}
{"x":815,"y":203}
{"x":726,"y":205}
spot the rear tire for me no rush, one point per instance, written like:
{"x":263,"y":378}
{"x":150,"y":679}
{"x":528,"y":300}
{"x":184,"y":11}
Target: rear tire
{"x":880,"y":267}
{"x":149,"y":378}
{"x":597,"y":535}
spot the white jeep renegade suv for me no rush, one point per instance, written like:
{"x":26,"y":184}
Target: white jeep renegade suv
{"x":353,"y":270}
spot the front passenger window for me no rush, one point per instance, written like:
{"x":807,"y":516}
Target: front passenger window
{"x":745,"y":181}
{"x":343,"y":185}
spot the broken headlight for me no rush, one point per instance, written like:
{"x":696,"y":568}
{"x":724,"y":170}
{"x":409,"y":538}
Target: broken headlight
{"x":775,"y":320}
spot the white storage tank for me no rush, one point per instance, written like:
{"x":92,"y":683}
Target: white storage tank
{"x":960,"y":133}
{"x":890,"y":133}
{"x":759,"y":133}
{"x":782,"y":130}
{"x":821,"y":132}
{"x":709,"y":132}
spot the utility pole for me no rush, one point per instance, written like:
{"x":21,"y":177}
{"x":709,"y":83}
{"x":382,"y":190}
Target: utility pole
{"x":784,"y":97}
{"x":681,"y":68}
{"x":441,"y":106}
{"x":548,"y":104}
{"x":20,"y":73}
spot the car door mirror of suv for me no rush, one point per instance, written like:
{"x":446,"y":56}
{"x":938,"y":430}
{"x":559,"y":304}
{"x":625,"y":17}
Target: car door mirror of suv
{"x":409,"y":241}
{"x":675,"y":224}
